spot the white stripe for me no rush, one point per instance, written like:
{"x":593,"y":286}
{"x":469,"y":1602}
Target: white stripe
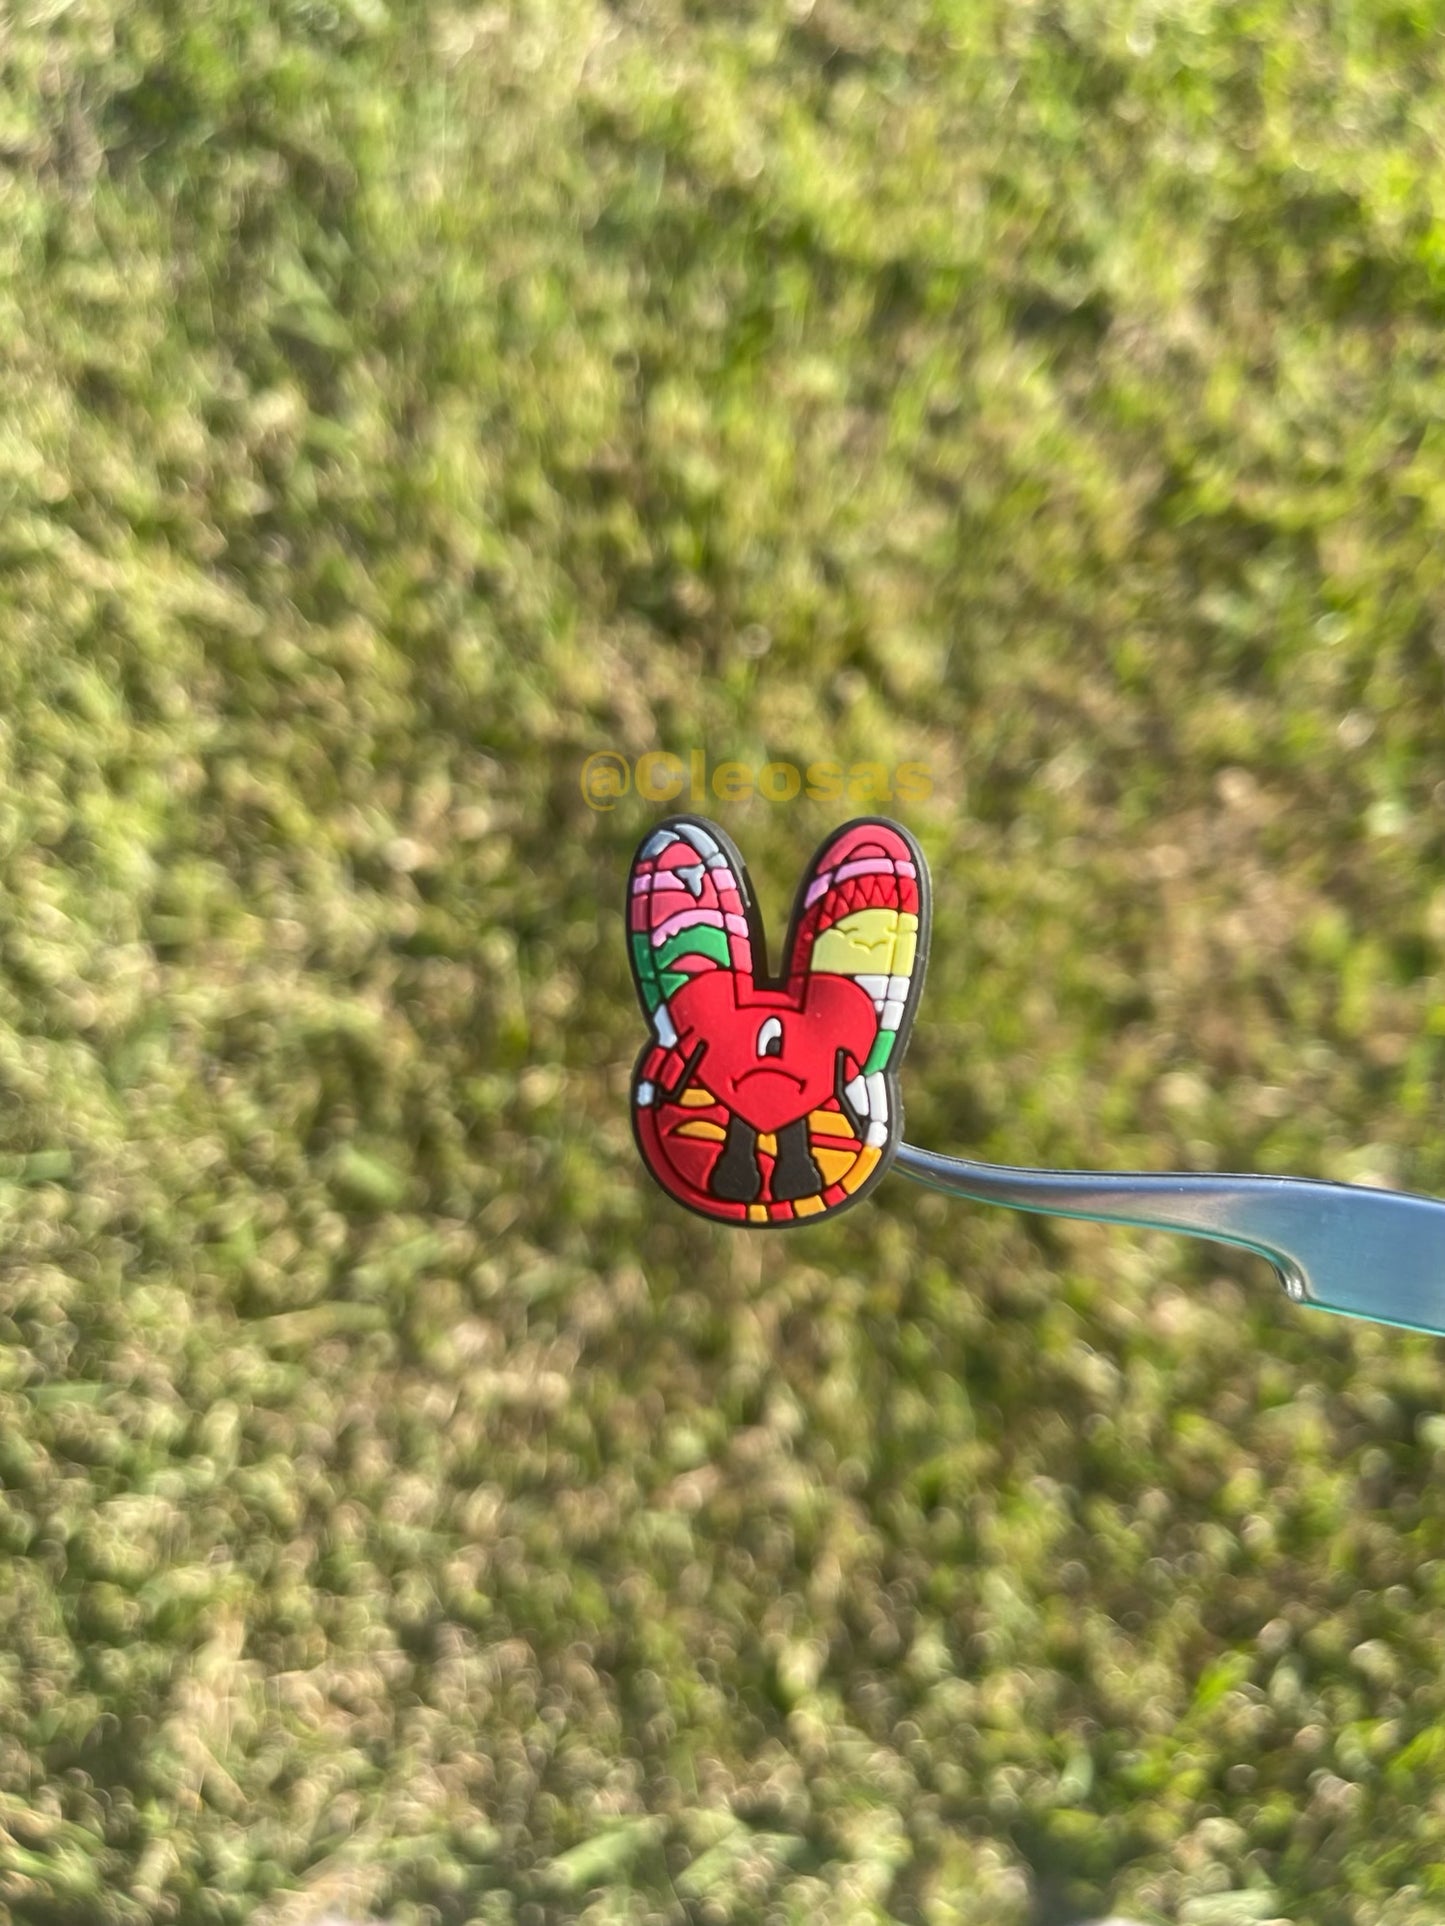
{"x":708,"y":918}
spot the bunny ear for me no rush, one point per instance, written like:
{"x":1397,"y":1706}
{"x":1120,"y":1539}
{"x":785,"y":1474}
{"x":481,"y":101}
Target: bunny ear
{"x":688,"y":912}
{"x":862,"y":912}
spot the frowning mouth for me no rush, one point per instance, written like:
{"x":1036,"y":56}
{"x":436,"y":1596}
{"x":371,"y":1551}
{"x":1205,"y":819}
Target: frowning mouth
{"x":770,"y":1069}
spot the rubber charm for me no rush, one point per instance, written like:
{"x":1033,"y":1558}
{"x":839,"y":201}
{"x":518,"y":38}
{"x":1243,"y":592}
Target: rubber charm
{"x":765,"y":1100}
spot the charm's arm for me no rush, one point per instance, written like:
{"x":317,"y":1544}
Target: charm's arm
{"x":670,"y":1093}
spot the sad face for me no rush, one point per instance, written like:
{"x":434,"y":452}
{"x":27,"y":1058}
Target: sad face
{"x":771,"y":1055}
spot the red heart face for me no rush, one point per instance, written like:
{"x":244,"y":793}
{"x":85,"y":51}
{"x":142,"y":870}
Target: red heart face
{"x":773,"y":1100}
{"x":771,"y":1055}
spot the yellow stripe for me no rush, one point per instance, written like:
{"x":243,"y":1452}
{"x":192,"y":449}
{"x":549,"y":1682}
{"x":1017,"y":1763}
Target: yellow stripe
{"x":834,"y":1164}
{"x":867,"y":1161}
{"x":870,"y":942}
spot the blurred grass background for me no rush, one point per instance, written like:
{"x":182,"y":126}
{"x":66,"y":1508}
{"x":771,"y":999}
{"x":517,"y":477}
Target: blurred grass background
{"x":407,"y":1512}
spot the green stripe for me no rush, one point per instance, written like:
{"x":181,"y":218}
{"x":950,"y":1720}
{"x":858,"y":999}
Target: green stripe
{"x":881,"y":1051}
{"x":703,"y":939}
{"x":646,"y":970}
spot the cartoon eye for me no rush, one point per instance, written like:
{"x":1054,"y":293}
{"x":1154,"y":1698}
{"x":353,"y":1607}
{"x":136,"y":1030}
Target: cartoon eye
{"x":770,"y":1038}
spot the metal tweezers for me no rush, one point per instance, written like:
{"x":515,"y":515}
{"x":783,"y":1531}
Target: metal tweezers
{"x":1377,"y":1254}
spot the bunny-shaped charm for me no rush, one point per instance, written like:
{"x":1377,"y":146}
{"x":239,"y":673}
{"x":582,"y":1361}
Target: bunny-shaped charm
{"x":765,"y":1100}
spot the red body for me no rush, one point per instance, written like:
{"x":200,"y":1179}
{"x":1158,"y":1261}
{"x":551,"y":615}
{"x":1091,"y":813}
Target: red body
{"x":725,"y":1013}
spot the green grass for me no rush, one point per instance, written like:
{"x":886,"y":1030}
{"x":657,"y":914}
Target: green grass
{"x":404,"y":1508}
